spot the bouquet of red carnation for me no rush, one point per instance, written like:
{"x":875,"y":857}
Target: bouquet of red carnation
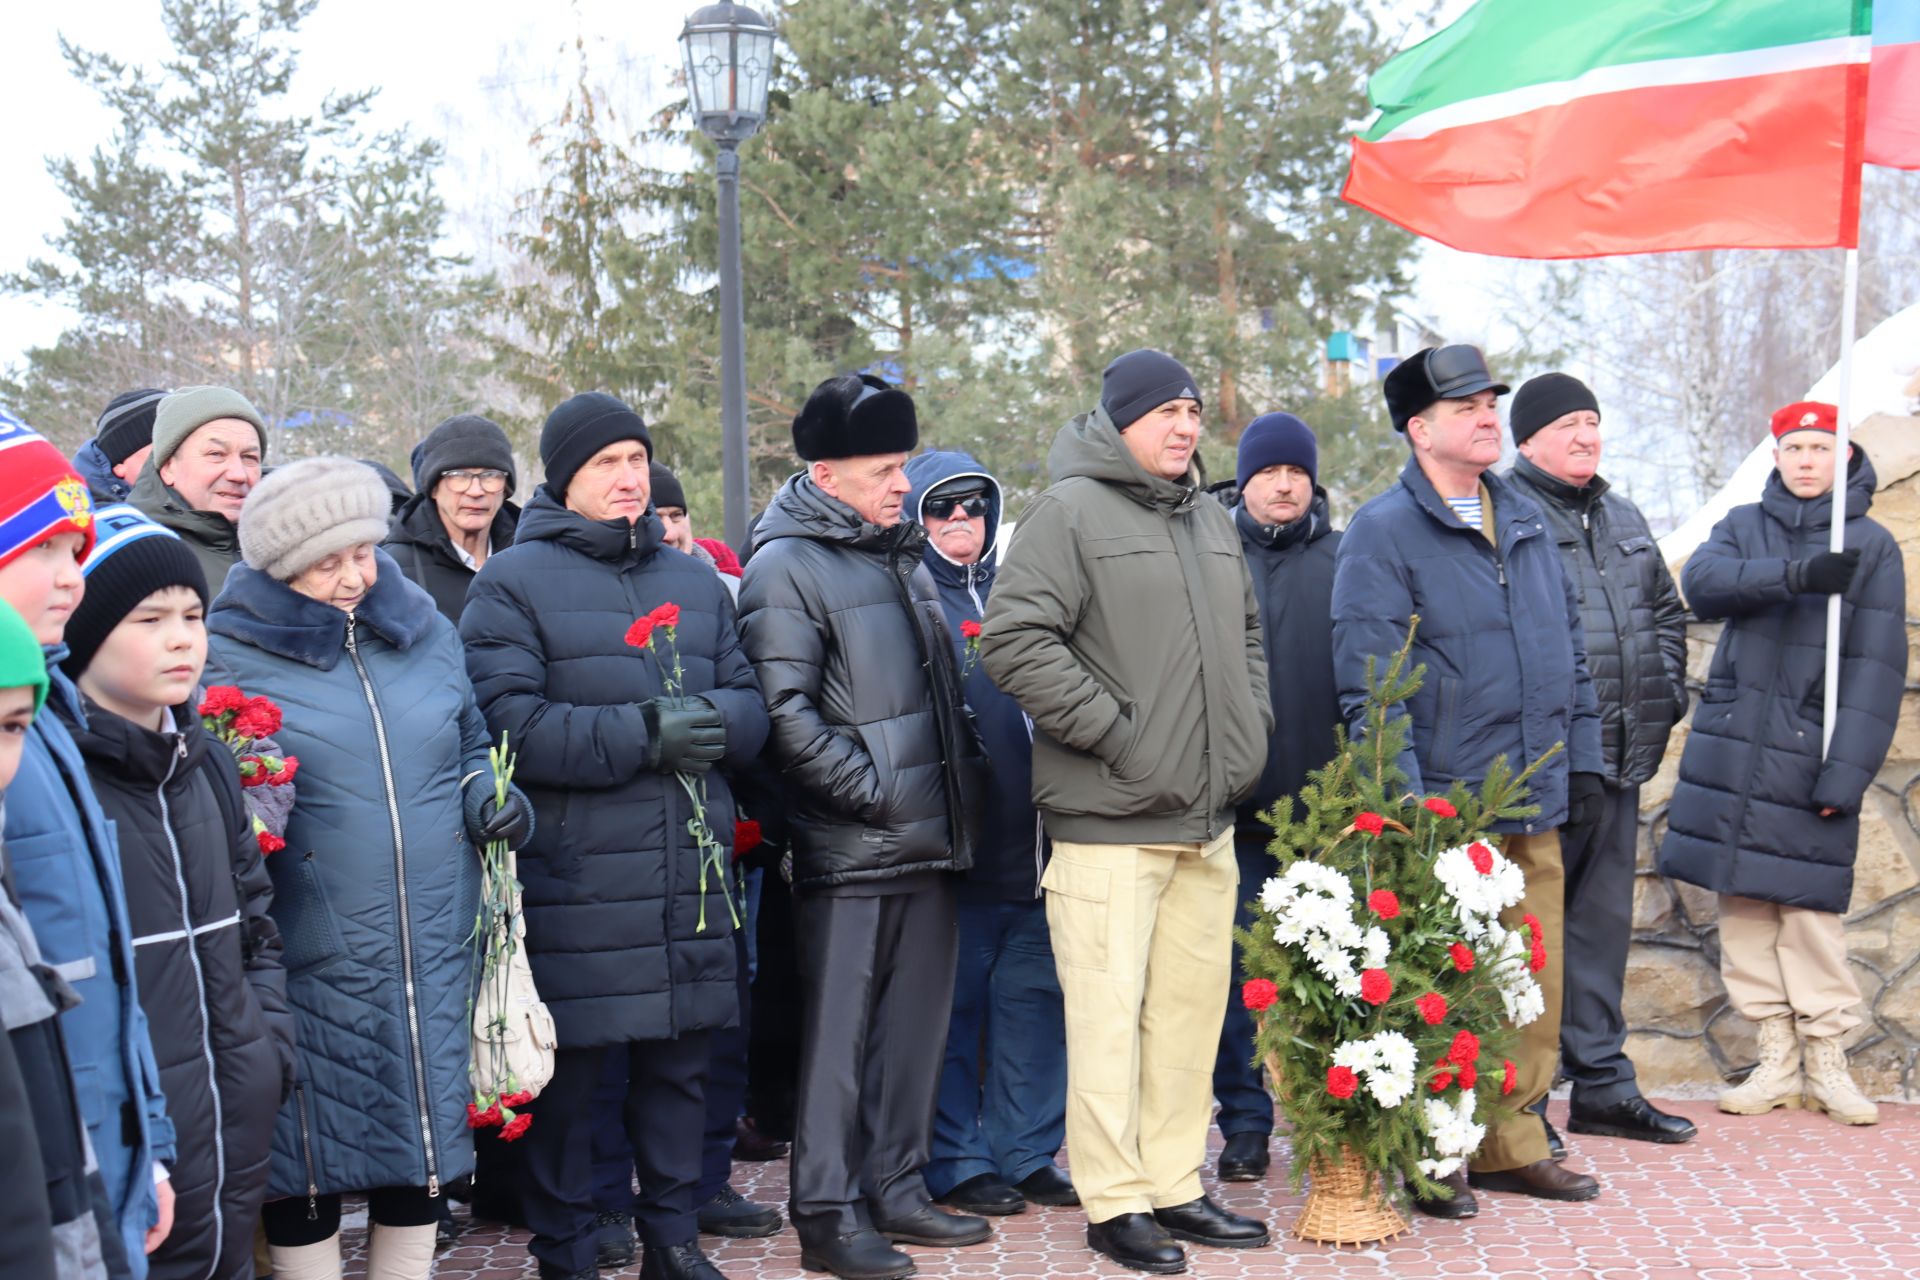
{"x":247,"y":725}
{"x":714,"y":862}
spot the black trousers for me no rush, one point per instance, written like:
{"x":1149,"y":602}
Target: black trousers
{"x":1599,"y":929}
{"x":877,"y":978}
{"x":665,"y":1113}
{"x":773,"y":1053}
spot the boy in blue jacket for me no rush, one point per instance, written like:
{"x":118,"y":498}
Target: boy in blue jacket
{"x":64,"y":860}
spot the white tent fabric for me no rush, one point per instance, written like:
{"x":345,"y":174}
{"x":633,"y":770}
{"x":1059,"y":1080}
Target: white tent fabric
{"x":1884,"y":363}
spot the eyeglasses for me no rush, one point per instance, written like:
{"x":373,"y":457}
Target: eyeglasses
{"x":974,"y":504}
{"x":490,"y":481}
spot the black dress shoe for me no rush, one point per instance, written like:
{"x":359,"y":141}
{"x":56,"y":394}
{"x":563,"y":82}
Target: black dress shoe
{"x":858,"y":1255}
{"x":1244,"y":1158}
{"x":935,"y":1227}
{"x":1204,"y":1222}
{"x":613,"y":1239}
{"x":751,"y":1144}
{"x":1556,"y":1145}
{"x":677,"y":1262}
{"x":732,"y":1215}
{"x":1137,"y":1241}
{"x":1461,"y":1205}
{"x":1631,"y":1117}
{"x":1543,"y":1180}
{"x":1047,"y":1185}
{"x":985,"y":1193}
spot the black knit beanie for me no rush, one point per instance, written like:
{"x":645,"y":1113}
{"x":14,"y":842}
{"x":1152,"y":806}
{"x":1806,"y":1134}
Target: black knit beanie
{"x":132,"y":558}
{"x":464,"y":442}
{"x":125,"y":426}
{"x":1141,"y":381}
{"x":1545,"y":400}
{"x":664,"y":487}
{"x":580,"y":427}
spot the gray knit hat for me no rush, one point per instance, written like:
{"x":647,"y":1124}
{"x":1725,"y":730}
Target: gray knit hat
{"x":190,"y":408}
{"x":308,"y":510}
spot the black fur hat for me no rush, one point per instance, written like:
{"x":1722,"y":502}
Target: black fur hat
{"x":852,"y":416}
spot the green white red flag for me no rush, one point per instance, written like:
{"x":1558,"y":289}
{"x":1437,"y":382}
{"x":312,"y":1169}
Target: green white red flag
{"x":1537,"y":130}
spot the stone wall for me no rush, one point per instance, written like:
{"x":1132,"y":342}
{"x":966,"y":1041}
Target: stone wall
{"x":1682,"y":1032}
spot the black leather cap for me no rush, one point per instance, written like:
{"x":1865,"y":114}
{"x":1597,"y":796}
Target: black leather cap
{"x":1452,"y":372}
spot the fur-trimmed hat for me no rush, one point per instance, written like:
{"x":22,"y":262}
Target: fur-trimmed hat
{"x":308,"y":510}
{"x":855,"y":416}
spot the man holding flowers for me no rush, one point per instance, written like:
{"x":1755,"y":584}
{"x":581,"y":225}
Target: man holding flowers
{"x":630,"y":944}
{"x":1501,"y":639}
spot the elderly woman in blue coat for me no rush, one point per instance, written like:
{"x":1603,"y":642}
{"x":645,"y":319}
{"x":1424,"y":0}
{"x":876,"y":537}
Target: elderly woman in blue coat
{"x":376,"y":889}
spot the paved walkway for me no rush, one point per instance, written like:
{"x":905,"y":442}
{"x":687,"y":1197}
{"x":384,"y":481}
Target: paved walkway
{"x":1790,"y":1196}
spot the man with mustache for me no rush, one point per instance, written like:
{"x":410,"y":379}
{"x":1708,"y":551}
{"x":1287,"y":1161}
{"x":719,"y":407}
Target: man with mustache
{"x":1506,"y":675}
{"x":1636,"y":632}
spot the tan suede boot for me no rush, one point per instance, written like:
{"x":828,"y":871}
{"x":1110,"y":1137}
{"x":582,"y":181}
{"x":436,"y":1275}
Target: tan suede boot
{"x":307,"y":1261}
{"x":1776,"y":1081}
{"x":1830,"y":1086}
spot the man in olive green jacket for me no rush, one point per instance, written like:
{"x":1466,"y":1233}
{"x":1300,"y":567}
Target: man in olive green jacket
{"x":1125,"y":624}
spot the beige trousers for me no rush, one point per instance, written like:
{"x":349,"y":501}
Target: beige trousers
{"x":1143,"y":942}
{"x":1522,"y":1140}
{"x":1777,"y":959}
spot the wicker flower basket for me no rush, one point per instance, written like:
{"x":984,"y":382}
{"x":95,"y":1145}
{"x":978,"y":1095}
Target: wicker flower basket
{"x":1345,"y":1204}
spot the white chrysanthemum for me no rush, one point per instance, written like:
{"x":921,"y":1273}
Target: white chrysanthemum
{"x":1374,"y":948}
{"x":1438,"y":1169}
{"x":1524,"y":1004}
{"x":1356,"y":1055}
{"x":1395,"y":1051}
{"x":1385,"y":1062}
{"x":1476,"y":895}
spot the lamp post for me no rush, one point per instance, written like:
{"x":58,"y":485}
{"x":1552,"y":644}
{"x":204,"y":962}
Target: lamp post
{"x":729,"y":53}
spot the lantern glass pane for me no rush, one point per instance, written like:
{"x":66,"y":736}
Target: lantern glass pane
{"x":708,"y":75}
{"x":756,"y":71}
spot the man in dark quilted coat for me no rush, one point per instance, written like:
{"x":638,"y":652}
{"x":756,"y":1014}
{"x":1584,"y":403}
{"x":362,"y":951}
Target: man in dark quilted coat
{"x":845,"y":630}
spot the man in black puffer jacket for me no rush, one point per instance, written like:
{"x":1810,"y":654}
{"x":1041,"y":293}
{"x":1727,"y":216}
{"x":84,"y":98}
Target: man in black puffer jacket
{"x":460,"y":512}
{"x":628,"y":932}
{"x":1636,"y":631}
{"x":207,"y":954}
{"x":844,"y":627}
{"x":1762,"y":815}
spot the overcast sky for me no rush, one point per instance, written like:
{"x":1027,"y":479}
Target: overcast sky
{"x":477,"y":74}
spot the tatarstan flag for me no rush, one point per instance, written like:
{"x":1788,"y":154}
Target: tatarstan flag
{"x":1536,"y":130}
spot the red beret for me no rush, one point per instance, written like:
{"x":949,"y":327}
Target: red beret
{"x":1805,"y":415}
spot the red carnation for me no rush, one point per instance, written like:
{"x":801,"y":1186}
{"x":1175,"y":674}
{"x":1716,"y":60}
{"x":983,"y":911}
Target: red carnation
{"x":1259,"y":994}
{"x":269,"y":843}
{"x":1509,"y":1076}
{"x":1482,"y":858}
{"x":260,"y":718}
{"x":222,"y":698}
{"x":1375,"y":986}
{"x":1533,"y":927}
{"x":1462,"y":956}
{"x":667,"y":615}
{"x":640,"y":633}
{"x":1341,"y":1082}
{"x":970,"y":629}
{"x":1469,"y":1076}
{"x":1440,"y":808}
{"x":1465,"y":1049}
{"x":1442,"y":1082}
{"x":1537,"y":958}
{"x":1432,"y":1007}
{"x":1385,"y":903}
{"x":289,"y":765}
{"x":253,"y":771}
{"x":746,"y":837}
{"x":519,"y":1099}
{"x":478,"y":1119}
{"x":515,"y":1127}
{"x":1371,"y":823}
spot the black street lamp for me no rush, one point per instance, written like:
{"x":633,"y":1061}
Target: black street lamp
{"x":729,"y":52}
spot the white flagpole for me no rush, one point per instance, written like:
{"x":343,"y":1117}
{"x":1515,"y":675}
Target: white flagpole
{"x":1837,"y":536}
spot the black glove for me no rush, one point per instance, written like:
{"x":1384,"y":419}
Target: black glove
{"x":488,"y":820}
{"x":684,"y":735}
{"x":1586,"y":797}
{"x":1829,"y":573}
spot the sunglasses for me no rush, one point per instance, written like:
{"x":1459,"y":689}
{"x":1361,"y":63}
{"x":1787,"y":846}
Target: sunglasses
{"x":941,"y":508}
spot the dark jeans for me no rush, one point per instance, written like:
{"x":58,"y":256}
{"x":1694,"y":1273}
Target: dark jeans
{"x":726,"y":1093}
{"x":1245,"y":1104}
{"x":663,"y":1114}
{"x":878,"y":977}
{"x":1599,"y":929}
{"x":1008,"y":1116}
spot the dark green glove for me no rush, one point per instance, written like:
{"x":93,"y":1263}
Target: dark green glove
{"x":684,"y":735}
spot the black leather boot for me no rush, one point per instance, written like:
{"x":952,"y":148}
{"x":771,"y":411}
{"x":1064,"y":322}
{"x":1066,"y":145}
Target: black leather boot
{"x":1137,"y":1241}
{"x":857,"y":1255}
{"x":1047,"y":1185}
{"x":1631,"y":1117}
{"x":1244,"y":1158}
{"x":935,"y":1228}
{"x":676,"y":1262}
{"x":735,"y":1217}
{"x":1204,"y":1222}
{"x":985,"y":1194}
{"x":1462,"y":1205}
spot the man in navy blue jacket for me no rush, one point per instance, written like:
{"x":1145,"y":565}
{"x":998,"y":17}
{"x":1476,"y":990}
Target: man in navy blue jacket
{"x":996,"y":1132}
{"x":1501,"y":638}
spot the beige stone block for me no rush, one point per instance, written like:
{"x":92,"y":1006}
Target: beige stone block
{"x":1885,"y":864}
{"x":1669,"y":987}
{"x":1664,"y":1062}
{"x":1652,"y":904}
